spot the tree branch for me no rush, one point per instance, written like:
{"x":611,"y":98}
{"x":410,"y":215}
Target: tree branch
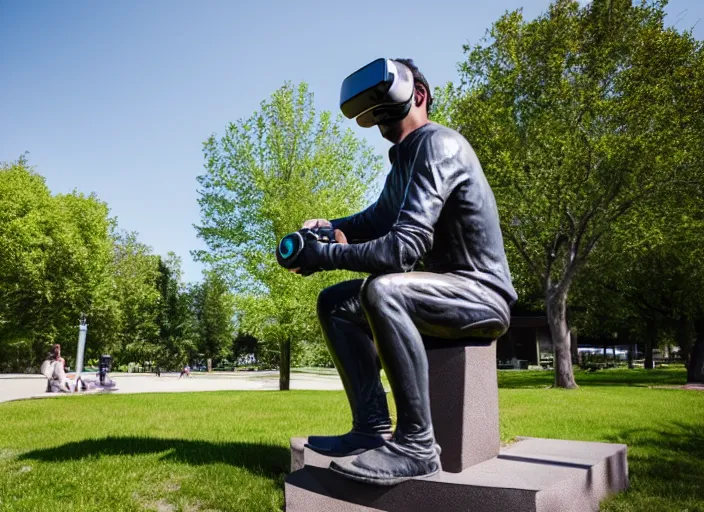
{"x":573,"y":223}
{"x":589,"y":215}
{"x":566,"y":280}
{"x":560,"y":239}
{"x":638,"y":301}
{"x":522,"y":250}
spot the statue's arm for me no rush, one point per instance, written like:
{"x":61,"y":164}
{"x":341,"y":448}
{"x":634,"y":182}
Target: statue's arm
{"x":437,"y":170}
{"x":371,"y":223}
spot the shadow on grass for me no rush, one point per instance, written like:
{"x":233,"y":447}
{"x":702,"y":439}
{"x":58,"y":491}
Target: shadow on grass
{"x":666,"y":462}
{"x":262,"y":459}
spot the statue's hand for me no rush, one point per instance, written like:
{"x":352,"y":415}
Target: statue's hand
{"x":317,"y":223}
{"x":314,"y":255}
{"x":313,"y":247}
{"x":340,"y":237}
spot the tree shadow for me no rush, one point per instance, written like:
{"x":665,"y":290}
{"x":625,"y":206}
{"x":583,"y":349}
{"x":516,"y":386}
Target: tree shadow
{"x":262,"y":459}
{"x":666,"y":461}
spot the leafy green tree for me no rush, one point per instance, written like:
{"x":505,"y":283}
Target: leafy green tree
{"x":24,"y":201}
{"x":175,"y":319}
{"x":651,"y":287}
{"x":243,"y":344}
{"x":268,"y":174}
{"x":61,"y":256}
{"x":135,"y":274}
{"x":577,"y":117}
{"x":213,"y":307}
{"x":54,"y":261}
{"x":87,"y":266}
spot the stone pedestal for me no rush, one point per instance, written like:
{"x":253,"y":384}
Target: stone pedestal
{"x":464,"y":400}
{"x":531,"y":475}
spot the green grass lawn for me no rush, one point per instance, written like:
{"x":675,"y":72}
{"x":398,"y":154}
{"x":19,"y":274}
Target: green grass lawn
{"x":670,"y":376}
{"x":229,"y":450}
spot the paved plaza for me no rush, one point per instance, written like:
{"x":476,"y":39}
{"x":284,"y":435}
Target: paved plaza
{"x":19,"y":386}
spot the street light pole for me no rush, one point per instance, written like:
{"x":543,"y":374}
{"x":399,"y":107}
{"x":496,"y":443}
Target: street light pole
{"x":82,"y":332}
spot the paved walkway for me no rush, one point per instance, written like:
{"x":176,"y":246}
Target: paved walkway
{"x":18,"y":386}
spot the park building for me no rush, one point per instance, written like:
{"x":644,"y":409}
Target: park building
{"x":528,"y":345}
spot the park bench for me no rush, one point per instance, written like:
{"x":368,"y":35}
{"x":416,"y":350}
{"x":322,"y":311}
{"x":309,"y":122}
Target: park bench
{"x":592,"y":367}
{"x":546,"y":362}
{"x":513,"y":364}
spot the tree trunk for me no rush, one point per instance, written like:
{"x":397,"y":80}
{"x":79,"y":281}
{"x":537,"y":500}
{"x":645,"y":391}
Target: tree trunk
{"x":284,"y":364}
{"x":650,"y":338}
{"x":684,"y":336}
{"x":624,"y":339}
{"x":695,"y":368}
{"x":632,"y":349}
{"x":574,"y":346}
{"x":557,"y":319}
{"x":649,"y":364}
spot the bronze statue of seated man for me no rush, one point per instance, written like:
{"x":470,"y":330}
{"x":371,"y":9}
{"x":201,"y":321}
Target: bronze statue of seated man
{"x":436,"y":210}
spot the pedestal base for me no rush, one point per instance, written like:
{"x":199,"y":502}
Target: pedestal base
{"x":531,"y":475}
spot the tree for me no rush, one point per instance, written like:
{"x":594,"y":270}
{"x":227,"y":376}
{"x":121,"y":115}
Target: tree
{"x":54,"y":263}
{"x":243,"y":344}
{"x":61,"y":256}
{"x":695,"y":369}
{"x":213,"y":308}
{"x":135,"y":274}
{"x":577,"y":117}
{"x":87,"y":264}
{"x":175,"y":318}
{"x":650,"y":285}
{"x":263,"y":178}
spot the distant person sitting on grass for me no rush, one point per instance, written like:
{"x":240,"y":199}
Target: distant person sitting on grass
{"x":55,"y":355}
{"x":54,"y":369}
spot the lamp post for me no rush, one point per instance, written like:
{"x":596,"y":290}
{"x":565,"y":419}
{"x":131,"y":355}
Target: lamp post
{"x":82,"y":332}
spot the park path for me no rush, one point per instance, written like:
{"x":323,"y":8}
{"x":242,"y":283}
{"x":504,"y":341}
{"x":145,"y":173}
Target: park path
{"x":19,"y":386}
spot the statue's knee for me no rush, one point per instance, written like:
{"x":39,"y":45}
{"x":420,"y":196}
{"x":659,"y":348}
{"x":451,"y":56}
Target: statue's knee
{"x":328,"y":300}
{"x":378,"y":292}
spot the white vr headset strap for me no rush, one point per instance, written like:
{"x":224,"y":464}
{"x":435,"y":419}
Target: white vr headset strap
{"x":401,"y":89}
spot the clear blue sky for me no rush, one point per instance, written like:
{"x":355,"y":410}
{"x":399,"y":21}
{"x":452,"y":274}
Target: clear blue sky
{"x":116,"y":98}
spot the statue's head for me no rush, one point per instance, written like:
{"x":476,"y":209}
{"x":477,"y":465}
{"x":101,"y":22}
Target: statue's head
{"x":389,"y":93}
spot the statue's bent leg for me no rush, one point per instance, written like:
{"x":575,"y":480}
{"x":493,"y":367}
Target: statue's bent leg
{"x":349,"y":340}
{"x":401,"y":308}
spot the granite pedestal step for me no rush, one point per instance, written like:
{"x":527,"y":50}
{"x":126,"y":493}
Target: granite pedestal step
{"x":530,"y":475}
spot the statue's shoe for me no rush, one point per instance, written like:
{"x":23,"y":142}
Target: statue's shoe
{"x":352,"y":443}
{"x":386,"y":466}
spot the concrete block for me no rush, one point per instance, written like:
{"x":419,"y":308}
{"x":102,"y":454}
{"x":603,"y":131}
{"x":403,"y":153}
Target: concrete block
{"x":464,"y":400}
{"x":531,"y":475}
{"x":297,"y":449}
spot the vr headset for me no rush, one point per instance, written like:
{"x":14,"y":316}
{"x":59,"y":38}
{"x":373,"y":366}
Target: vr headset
{"x":379,"y":93}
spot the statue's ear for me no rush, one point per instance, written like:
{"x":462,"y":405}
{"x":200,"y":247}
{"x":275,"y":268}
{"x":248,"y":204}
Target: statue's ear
{"x":420,"y":94}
